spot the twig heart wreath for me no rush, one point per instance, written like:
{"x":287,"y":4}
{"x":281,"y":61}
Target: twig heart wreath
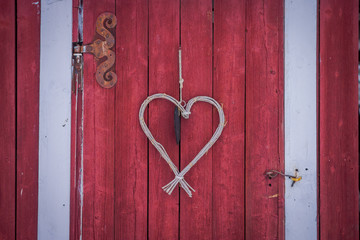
{"x":185,"y":113}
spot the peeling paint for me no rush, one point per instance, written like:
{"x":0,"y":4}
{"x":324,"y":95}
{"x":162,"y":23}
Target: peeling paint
{"x":37,"y":4}
{"x":274,"y":196}
{"x":49,"y":2}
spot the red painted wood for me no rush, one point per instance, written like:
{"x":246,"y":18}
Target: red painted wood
{"x":339,"y":171}
{"x":76,"y":103}
{"x":98,"y":162}
{"x":281,"y":121}
{"x":148,"y":37}
{"x":28,"y":62}
{"x":76,"y":164}
{"x":229,"y":89}
{"x":163,"y":78}
{"x":196,"y":43}
{"x":7,"y":120}
{"x":131,"y":149}
{"x":75,"y":15}
{"x":264,"y":130}
{"x":76,"y":140}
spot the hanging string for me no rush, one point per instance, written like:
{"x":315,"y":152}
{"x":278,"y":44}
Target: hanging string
{"x":184,"y":109}
{"x":181,"y":80}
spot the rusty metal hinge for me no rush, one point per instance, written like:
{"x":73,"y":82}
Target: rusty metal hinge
{"x":77,"y":72}
{"x":101,"y":48}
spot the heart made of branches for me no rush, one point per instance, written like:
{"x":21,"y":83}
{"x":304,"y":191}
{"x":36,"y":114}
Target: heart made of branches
{"x":185,"y":113}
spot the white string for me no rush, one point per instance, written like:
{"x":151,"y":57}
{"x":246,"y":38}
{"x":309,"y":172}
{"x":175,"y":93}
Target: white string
{"x":181,"y":80}
{"x":185,"y":113}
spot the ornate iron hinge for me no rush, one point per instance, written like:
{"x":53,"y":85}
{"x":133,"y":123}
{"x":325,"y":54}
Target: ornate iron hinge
{"x":101,"y":48}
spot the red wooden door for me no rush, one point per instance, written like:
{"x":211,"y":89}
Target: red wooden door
{"x":231,"y":51}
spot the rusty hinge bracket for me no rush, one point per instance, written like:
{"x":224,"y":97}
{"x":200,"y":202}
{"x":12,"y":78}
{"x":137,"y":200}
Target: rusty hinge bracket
{"x":101,"y":48}
{"x":77,"y":72}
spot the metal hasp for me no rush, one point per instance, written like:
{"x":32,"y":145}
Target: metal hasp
{"x":104,"y":41}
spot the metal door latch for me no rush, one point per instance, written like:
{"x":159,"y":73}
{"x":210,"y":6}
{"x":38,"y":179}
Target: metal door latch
{"x":294,"y":178}
{"x":101,"y":48}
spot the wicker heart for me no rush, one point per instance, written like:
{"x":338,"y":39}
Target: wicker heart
{"x":185,"y":113}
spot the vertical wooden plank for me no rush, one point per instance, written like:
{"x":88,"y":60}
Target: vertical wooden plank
{"x":281,"y":120}
{"x":196,"y":43}
{"x":75,"y":14}
{"x":264,"y":130}
{"x":76,"y":197}
{"x":300,"y":118}
{"x":54,"y":120}
{"x":131,"y":149}
{"x":339,"y":196}
{"x":7,"y":120}
{"x":28,"y":62}
{"x":98,"y":141}
{"x":229,"y":90}
{"x":76,"y":136}
{"x":163,"y":77}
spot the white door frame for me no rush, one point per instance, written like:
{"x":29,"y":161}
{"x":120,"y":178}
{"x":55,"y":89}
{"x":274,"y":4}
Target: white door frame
{"x":301,"y":118}
{"x":55,"y":119}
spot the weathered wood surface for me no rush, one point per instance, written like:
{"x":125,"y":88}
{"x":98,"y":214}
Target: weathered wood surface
{"x":264,"y":119}
{"x":76,"y":139}
{"x":98,"y":142}
{"x":7,"y":121}
{"x":339,"y":160}
{"x":214,"y":52}
{"x":229,"y":90}
{"x":27,"y":125}
{"x":163,"y":212}
{"x":236,"y":57}
{"x":196,"y":44}
{"x":131,"y":151}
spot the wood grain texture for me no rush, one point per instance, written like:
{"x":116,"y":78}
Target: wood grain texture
{"x":76,"y":140}
{"x":163,"y":78}
{"x":28,"y":62}
{"x":264,"y":130}
{"x":131,"y":149}
{"x":7,"y":120}
{"x":196,"y":43}
{"x":229,"y":90}
{"x":148,"y":37}
{"x":98,"y":152}
{"x":76,"y":162}
{"x":75,"y":16}
{"x":281,"y":120}
{"x":339,"y":197}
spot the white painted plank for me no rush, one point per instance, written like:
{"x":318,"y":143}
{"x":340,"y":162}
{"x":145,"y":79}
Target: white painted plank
{"x":54,"y":126}
{"x":300,"y":119}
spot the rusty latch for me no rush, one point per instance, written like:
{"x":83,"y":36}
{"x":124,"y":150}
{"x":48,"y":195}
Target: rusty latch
{"x":77,"y":72}
{"x":101,"y":48}
{"x":273,"y":173}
